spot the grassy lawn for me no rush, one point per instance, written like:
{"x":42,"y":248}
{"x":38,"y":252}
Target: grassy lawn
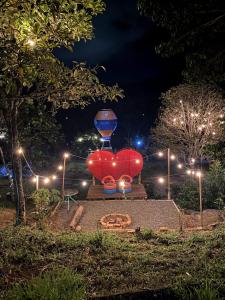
{"x":113,"y":264}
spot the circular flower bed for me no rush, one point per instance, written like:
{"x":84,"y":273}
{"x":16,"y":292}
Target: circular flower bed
{"x":115,"y":220}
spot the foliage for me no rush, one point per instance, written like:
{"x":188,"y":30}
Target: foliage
{"x":29,"y":70}
{"x":43,"y":198}
{"x":58,"y":284}
{"x":186,"y":194}
{"x":83,"y":144}
{"x":119,"y":264}
{"x":145,"y":234}
{"x":191,"y":118}
{"x":40,"y":133}
{"x":215,"y":186}
{"x":193,"y":29}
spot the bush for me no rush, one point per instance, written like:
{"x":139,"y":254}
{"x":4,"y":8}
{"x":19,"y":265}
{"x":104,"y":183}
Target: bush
{"x":215,"y":186}
{"x":145,"y":234}
{"x":59,"y":284}
{"x":186,"y":194}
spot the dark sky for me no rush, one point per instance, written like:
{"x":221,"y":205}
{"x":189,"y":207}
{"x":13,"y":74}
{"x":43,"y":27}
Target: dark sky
{"x":124,"y":44}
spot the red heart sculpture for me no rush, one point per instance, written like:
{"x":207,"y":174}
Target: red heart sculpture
{"x":102,"y":163}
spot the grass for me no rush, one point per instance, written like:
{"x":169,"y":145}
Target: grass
{"x":113,"y":264}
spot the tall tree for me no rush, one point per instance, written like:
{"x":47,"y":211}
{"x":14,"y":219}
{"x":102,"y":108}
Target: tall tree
{"x":195,"y":29}
{"x":191,"y":118}
{"x":29,"y":71}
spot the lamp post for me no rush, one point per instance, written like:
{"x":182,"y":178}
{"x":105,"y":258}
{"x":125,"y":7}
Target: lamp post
{"x":65,"y":157}
{"x":199,"y":175}
{"x":168,"y":174}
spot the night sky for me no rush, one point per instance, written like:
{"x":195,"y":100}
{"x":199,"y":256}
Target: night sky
{"x":124,"y":44}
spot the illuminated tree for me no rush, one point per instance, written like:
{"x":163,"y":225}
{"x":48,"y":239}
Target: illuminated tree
{"x":29,"y":71}
{"x":191,"y":117}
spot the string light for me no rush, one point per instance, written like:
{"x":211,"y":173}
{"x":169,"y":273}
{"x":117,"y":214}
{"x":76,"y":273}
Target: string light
{"x":137,"y":161}
{"x":172,"y":157}
{"x":198,"y":174}
{"x":46,"y":180}
{"x":114,"y":164}
{"x":34,"y":179}
{"x":19,"y":150}
{"x":193,"y":160}
{"x":193,"y":172}
{"x":161,"y":180}
{"x":122,"y":183}
{"x":188,"y":172}
{"x":221,"y":116}
{"x":80,"y":139}
{"x":90,"y":162}
{"x":66,"y":155}
{"x":214,"y":133}
{"x":54,"y":177}
{"x":60,"y":168}
{"x":180,"y":166}
{"x":84,"y":183}
{"x":160,"y":154}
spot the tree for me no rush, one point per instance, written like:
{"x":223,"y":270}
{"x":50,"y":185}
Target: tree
{"x":29,"y":71}
{"x":41,"y":134}
{"x":191,"y":117}
{"x":85,"y":143}
{"x":194,"y":29}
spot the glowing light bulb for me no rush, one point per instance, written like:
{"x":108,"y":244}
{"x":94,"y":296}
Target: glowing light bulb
{"x":60,"y":168}
{"x":160,"y":154}
{"x":137,"y":161}
{"x":80,"y":139}
{"x":19,"y":150}
{"x":172,"y":157}
{"x":122,"y":183}
{"x":54,"y":177}
{"x":34,"y":179}
{"x":193,"y":172}
{"x":198,"y":174}
{"x":66,"y":155}
{"x":221,"y":116}
{"x":46,"y":180}
{"x":214,"y":133}
{"x":90,"y":162}
{"x":174,"y":120}
{"x":180,"y":166}
{"x":188,"y":172}
{"x":193,"y":160}
{"x":114,"y":164}
{"x":84,"y":183}
{"x":161,"y":180}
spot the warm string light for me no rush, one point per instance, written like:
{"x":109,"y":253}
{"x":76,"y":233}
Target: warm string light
{"x":161,"y":180}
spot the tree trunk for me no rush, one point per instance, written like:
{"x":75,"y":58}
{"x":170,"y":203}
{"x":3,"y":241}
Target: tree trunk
{"x":17,"y":169}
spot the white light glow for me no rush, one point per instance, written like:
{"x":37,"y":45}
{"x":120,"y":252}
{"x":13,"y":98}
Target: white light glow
{"x":160,"y":154}
{"x":84,"y":183}
{"x":180,"y":166}
{"x":137,"y":161}
{"x":161,"y":180}
{"x":172,"y":157}
{"x":46,"y":180}
{"x":60,"y":168}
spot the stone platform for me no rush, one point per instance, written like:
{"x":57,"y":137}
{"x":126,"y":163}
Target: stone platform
{"x":144,"y":213}
{"x":96,"y":192}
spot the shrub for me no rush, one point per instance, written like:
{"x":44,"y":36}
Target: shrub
{"x":59,"y":284}
{"x":215,"y":186}
{"x":186,"y":194}
{"x":145,"y":234}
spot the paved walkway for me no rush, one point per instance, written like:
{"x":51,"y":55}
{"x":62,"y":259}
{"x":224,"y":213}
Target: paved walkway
{"x":144,"y":213}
